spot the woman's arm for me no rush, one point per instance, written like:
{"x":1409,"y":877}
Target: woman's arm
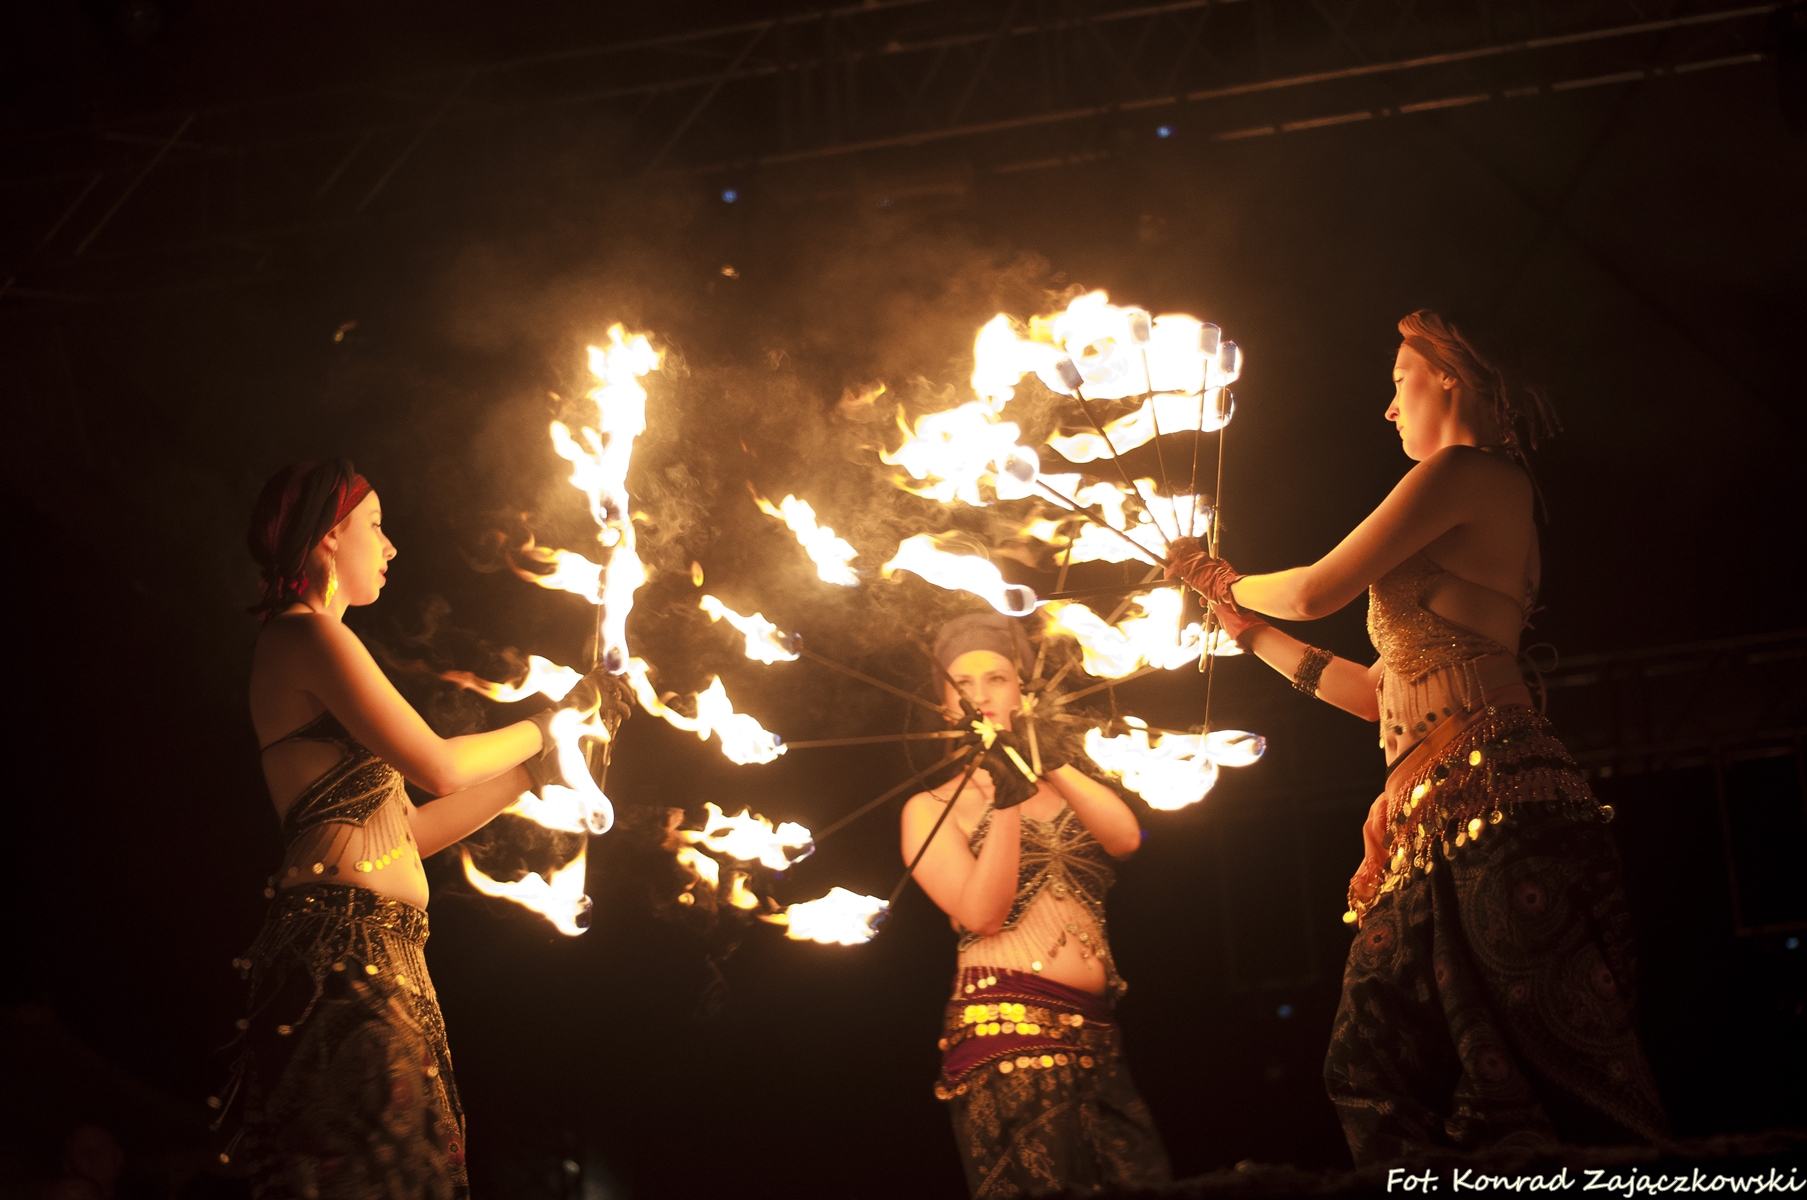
{"x":1434,"y":497}
{"x":453,"y":818}
{"x":1348,"y":685}
{"x":330,"y":662}
{"x":976,"y":892}
{"x":1099,"y":809}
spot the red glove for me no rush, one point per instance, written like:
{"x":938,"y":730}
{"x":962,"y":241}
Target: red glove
{"x":1238,"y":623}
{"x":1210,"y":577}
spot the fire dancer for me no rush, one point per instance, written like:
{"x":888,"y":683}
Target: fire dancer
{"x":344,"y":1083}
{"x":1032,"y":1063}
{"x":1488,"y":995}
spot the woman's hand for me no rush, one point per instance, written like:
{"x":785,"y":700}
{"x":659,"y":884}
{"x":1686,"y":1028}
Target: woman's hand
{"x":1364,"y":885}
{"x":597,"y":694}
{"x":1187,"y":559}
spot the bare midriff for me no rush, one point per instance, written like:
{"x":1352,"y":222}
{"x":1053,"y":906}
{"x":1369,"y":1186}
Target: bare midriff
{"x":379,"y":854}
{"x":1034,"y":944}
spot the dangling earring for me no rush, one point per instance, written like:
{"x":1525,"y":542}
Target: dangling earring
{"x":332,"y":581}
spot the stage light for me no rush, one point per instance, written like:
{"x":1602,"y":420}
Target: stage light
{"x":729,"y":196}
{"x":1793,"y":943}
{"x":1163,"y":131}
{"x":1284,"y":1011}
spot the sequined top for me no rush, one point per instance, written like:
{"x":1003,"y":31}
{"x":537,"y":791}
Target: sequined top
{"x":354,"y":817}
{"x":1062,"y":876}
{"x":1432,"y":668}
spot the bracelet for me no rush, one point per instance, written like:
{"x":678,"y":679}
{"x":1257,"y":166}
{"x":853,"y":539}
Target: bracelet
{"x":1311,"y":669}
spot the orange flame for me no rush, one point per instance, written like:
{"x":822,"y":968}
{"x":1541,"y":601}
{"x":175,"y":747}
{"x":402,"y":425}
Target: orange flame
{"x":921,"y":555}
{"x":831,"y":554}
{"x":1176,"y":769}
{"x":544,"y":678}
{"x":1152,"y":638}
{"x":560,"y":899}
{"x":952,"y":454}
{"x":841,"y":918}
{"x":750,"y":837}
{"x":765,"y":643}
{"x":743,"y":739}
{"x":571,"y":572}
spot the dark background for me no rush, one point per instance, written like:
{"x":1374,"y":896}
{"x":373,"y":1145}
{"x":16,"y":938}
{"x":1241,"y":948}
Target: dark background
{"x":1637,"y":245}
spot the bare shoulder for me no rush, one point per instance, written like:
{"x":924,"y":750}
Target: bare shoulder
{"x":1472,"y":469}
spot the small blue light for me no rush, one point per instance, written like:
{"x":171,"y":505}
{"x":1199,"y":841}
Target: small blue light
{"x":1285,"y":1011}
{"x":729,"y":196}
{"x":1163,"y":131}
{"x":1793,"y":943}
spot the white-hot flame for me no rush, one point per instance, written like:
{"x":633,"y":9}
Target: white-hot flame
{"x":571,"y":572}
{"x":953,"y":454}
{"x":1093,"y":544}
{"x":841,"y":918}
{"x":560,"y":899}
{"x":1172,"y":770}
{"x":766,"y":643}
{"x":960,"y":572}
{"x":743,"y":739}
{"x":1152,"y":637}
{"x":750,"y":837}
{"x":544,"y":678}
{"x":831,"y":554}
{"x":1169,"y":413}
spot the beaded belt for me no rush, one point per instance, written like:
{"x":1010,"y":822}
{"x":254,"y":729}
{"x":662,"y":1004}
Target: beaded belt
{"x":356,"y":903}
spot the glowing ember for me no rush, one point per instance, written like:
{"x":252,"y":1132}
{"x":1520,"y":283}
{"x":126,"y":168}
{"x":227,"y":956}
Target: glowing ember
{"x":560,"y":899}
{"x":743,"y":740}
{"x":765,"y":643}
{"x":841,"y":918}
{"x":960,"y":572}
{"x":1174,"y":769}
{"x":831,"y":554}
{"x":750,"y":838}
{"x":544,"y":678}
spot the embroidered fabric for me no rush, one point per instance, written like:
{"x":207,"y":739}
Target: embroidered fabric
{"x":352,"y":820}
{"x":1432,"y":669}
{"x":1062,"y":877}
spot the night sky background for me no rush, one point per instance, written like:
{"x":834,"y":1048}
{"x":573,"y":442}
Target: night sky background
{"x":1640,"y":248}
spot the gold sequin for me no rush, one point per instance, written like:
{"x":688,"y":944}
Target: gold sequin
{"x":1006,"y":1067}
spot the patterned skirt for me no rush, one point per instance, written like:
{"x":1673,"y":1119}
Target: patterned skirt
{"x":1040,"y":1096}
{"x":1488,"y":997}
{"x":343,"y":1087}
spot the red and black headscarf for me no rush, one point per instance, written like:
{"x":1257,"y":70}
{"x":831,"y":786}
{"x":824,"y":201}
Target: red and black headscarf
{"x":297,"y":508}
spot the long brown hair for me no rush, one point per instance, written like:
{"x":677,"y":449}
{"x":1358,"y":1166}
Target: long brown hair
{"x":1521,"y":409}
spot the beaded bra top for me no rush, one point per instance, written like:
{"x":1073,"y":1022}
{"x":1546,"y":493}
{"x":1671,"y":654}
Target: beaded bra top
{"x":1431,"y":667}
{"x":353,"y":817}
{"x":1061,"y":860}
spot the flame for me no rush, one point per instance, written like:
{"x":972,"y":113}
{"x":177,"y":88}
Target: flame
{"x":544,"y":678}
{"x":599,"y":461}
{"x":1092,"y":544}
{"x":1152,"y":638}
{"x":1115,"y":353}
{"x":743,"y":739}
{"x":831,"y":554}
{"x":739,"y":894}
{"x":1176,"y":769}
{"x":1202,"y":412}
{"x":560,"y":899}
{"x":765,"y":643}
{"x":571,"y":572}
{"x":960,"y":572}
{"x":841,"y":918}
{"x":749,"y":837}
{"x":953,"y":454}
{"x":706,"y":869}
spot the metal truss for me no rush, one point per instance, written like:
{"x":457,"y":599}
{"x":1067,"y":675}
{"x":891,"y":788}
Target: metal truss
{"x":1006,"y":84}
